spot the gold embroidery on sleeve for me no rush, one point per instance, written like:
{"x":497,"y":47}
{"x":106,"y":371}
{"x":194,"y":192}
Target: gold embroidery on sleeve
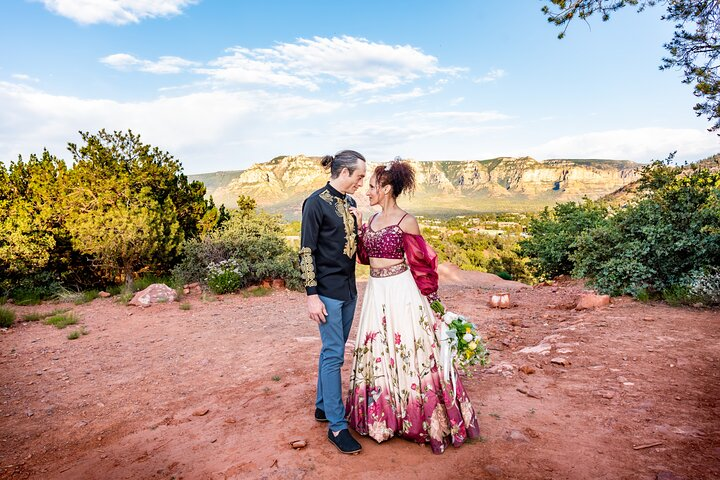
{"x":327,"y":196}
{"x":307,"y":268}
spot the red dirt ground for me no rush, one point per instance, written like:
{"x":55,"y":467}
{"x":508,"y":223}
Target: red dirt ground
{"x":128,"y":400}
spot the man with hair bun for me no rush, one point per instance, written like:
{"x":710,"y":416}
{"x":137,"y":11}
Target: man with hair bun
{"x":328,"y":247}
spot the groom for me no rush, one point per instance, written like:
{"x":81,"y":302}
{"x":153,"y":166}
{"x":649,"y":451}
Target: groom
{"x":327,"y":259}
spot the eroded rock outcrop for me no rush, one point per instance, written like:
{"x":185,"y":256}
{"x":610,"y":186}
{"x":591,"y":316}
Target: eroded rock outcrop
{"x":284,"y":181}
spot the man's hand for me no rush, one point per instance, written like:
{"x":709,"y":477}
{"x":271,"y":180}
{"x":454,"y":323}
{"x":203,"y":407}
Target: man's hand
{"x":357,"y":213}
{"x":316,"y":309}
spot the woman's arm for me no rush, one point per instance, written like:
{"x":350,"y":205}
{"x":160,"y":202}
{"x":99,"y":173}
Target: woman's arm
{"x":423,"y":263}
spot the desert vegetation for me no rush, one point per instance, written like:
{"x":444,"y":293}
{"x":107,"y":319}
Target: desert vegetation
{"x":664,"y":243}
{"x":483,"y":242}
{"x":122,"y":215}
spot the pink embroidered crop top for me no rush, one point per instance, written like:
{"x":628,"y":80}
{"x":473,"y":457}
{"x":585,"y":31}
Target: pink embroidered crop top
{"x":384,"y":243}
{"x":392,"y":242}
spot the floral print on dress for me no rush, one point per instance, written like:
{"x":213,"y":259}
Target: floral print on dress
{"x":397,"y":388}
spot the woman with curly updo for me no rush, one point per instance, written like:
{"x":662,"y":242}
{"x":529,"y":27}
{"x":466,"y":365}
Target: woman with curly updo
{"x":397,"y":384}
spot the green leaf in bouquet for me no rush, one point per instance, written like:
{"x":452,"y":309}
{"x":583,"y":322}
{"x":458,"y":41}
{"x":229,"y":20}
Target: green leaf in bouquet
{"x":438,"y":307}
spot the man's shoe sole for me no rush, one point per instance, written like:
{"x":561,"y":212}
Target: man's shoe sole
{"x":321,"y":420}
{"x":342,"y":451}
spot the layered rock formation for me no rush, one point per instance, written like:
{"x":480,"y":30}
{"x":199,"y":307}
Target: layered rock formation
{"x":449,"y":187}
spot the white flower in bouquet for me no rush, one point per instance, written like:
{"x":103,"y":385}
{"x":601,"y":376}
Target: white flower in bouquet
{"x":450,"y":317}
{"x":468,"y":337}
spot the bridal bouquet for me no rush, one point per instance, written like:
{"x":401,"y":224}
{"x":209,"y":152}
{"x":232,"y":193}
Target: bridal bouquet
{"x":465,"y":343}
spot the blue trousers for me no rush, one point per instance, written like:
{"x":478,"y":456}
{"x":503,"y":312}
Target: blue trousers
{"x":333,"y":333}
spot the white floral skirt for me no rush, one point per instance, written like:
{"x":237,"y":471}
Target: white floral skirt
{"x":397,"y":387}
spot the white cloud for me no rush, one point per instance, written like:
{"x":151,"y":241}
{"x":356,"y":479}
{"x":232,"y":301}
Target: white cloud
{"x":359,"y":64}
{"x":222,"y":130}
{"x":402,"y":96}
{"x":24,"y":78}
{"x":416,"y":132}
{"x":244,"y":66}
{"x":467,"y":117}
{"x":199,"y":128}
{"x":640,"y":144}
{"x":118,"y":12}
{"x":491,"y":76}
{"x":164,"y":65}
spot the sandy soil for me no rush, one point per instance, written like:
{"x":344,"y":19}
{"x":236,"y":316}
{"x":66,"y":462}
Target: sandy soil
{"x":218,"y":391}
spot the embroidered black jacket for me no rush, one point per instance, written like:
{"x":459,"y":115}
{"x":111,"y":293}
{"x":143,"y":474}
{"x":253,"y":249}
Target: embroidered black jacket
{"x":328,"y":244}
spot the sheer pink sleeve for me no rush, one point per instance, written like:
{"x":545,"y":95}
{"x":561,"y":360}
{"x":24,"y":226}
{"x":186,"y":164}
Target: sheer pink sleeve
{"x":423,"y":263}
{"x":362,"y":256}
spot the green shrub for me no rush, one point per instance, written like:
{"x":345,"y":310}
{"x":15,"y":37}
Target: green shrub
{"x":144,"y":281}
{"x":554,"y":233}
{"x":657,"y":242}
{"x":504,"y":275}
{"x":651,"y":248}
{"x":75,"y":334}
{"x":114,"y":290}
{"x":7,"y":317}
{"x":253,"y":241}
{"x":33,"y":317}
{"x":61,"y":320}
{"x":87,"y":296}
{"x":642,"y":295}
{"x":227,"y":276}
{"x":125,"y":297}
{"x":705,"y":285}
{"x":676,"y":295}
{"x":285,"y":267}
{"x":31,"y":289}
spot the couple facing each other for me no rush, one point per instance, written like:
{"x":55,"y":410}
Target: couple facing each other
{"x":397,"y":383}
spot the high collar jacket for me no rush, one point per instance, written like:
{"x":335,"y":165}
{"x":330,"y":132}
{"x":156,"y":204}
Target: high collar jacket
{"x":328,"y":244}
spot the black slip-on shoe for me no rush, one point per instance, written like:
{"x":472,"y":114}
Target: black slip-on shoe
{"x":320,"y":415}
{"x":344,"y":441}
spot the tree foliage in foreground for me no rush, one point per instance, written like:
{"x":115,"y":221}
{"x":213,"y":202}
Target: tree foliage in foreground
{"x":694,"y":48}
{"x":666,"y":242}
{"x":246,"y":249}
{"x":660,"y":243}
{"x":32,"y":225}
{"x":124,"y":207}
{"x":554,"y":233}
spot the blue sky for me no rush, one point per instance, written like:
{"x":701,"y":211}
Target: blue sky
{"x":224,"y":84}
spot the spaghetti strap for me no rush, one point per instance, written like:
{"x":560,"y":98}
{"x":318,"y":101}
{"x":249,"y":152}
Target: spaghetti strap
{"x":403,"y":217}
{"x":371,"y":220}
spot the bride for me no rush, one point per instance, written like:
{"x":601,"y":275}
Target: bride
{"x":397,"y":385}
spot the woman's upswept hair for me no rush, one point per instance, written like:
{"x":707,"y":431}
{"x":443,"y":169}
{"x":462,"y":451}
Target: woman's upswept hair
{"x":343,"y":159}
{"x":399,"y":174}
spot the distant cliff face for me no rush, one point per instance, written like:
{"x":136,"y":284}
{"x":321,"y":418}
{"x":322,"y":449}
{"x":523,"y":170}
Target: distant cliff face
{"x":631,"y":192}
{"x":443,"y":187}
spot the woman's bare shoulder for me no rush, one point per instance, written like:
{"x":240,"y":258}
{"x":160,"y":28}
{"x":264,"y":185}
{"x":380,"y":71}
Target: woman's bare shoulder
{"x":410,"y":225}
